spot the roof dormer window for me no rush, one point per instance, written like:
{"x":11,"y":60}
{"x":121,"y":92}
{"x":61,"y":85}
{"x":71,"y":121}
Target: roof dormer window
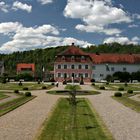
{"x":63,"y":57}
{"x":72,"y":58}
{"x":82,"y":57}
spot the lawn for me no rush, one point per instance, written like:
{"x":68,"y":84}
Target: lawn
{"x":77,"y":87}
{"x":13,"y":104}
{"x":3,"y":96}
{"x":66,"y":92}
{"x":68,"y":122}
{"x":112,"y":86}
{"x":125,"y":100}
{"x":15,"y":86}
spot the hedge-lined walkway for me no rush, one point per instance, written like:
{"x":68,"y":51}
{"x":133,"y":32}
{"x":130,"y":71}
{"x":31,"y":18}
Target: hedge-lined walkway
{"x":23,"y":123}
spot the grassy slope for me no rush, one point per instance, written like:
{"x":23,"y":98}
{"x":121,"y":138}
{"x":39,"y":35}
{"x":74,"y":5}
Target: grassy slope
{"x":125,"y":100}
{"x":67,"y":123}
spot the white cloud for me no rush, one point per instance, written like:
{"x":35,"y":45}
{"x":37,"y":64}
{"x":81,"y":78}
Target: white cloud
{"x":97,"y":14}
{"x":122,"y":40}
{"x":22,"y":6}
{"x":9,"y":27}
{"x":3,"y":6}
{"x":43,"y":2}
{"x":133,"y":26}
{"x":27,"y":38}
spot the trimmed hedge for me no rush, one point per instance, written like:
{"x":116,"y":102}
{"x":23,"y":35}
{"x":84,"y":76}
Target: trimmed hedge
{"x":16,"y":91}
{"x":44,"y":87}
{"x":28,"y":94}
{"x":102,"y":87}
{"x":130,"y":91}
{"x":121,"y":89}
{"x":25,"y":88}
{"x":118,"y":94}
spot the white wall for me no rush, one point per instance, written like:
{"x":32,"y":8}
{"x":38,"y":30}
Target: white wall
{"x":99,"y":71}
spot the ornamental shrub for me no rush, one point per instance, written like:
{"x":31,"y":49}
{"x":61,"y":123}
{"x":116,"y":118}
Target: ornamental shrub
{"x":16,"y":91}
{"x":44,"y":87}
{"x":120,"y":88}
{"x":102,"y":87}
{"x":25,"y":88}
{"x":118,"y":94}
{"x":28,"y":94}
{"x":130,"y":91}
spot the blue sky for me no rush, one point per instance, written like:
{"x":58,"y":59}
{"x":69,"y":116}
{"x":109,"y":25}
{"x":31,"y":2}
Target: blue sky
{"x":31,"y":24}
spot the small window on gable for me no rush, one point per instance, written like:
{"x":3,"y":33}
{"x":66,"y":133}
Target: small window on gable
{"x":124,"y":69}
{"x":82,"y":57}
{"x":63,"y":57}
{"x":72,"y":57}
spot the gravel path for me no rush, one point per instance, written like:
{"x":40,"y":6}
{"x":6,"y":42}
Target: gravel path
{"x":136,"y":97}
{"x":24,"y":122}
{"x":123,"y":122}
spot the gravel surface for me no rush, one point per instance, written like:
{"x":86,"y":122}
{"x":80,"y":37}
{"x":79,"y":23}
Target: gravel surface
{"x":136,"y":97}
{"x":24,"y":122}
{"x":122,"y":122}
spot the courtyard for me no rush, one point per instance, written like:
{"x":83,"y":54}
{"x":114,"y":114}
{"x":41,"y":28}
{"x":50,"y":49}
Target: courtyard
{"x":47,"y":116}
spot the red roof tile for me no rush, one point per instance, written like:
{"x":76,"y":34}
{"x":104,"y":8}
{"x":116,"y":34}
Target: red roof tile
{"x":115,"y":58}
{"x":25,"y":65}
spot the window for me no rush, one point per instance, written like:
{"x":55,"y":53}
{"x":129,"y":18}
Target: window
{"x":80,"y":74}
{"x":101,"y":75}
{"x":107,"y":67}
{"x":82,"y":57}
{"x":112,"y":69}
{"x":94,"y":67}
{"x":59,"y":66}
{"x":72,"y":67}
{"x":65,"y":75}
{"x":86,"y":75}
{"x":73,"y":75}
{"x":80,"y":67}
{"x":59,"y":74}
{"x":86,"y":66}
{"x":72,"y":58}
{"x":63,"y":57}
{"x":65,"y":66}
{"x":124,"y":69}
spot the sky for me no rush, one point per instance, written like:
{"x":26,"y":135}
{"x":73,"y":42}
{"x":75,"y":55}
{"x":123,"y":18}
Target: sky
{"x":31,"y":24}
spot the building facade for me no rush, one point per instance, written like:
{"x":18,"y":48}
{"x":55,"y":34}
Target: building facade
{"x":26,"y":68}
{"x":73,"y":62}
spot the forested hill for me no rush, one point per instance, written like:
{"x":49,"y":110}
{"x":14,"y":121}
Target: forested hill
{"x":45,"y":57}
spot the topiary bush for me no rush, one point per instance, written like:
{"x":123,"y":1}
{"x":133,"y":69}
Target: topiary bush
{"x":93,"y":84}
{"x":16,"y":91}
{"x":130,"y":91}
{"x":20,"y":83}
{"x":118,"y":94}
{"x":25,"y":88}
{"x":52,"y":84}
{"x":44,"y":87}
{"x":126,"y":84}
{"x":107,"y":83}
{"x":120,"y":88}
{"x":64,"y":82}
{"x":28,"y":94}
{"x":102,"y":87}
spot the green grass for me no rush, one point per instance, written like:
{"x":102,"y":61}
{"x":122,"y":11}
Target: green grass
{"x":13,"y":104}
{"x":66,"y":92}
{"x":3,"y":96}
{"x":76,"y":86}
{"x":125,"y":100}
{"x":15,"y":86}
{"x":74,"y":123}
{"x":135,"y":87}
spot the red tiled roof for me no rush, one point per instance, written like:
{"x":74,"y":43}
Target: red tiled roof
{"x":72,"y":50}
{"x":115,"y":58}
{"x":25,"y":65}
